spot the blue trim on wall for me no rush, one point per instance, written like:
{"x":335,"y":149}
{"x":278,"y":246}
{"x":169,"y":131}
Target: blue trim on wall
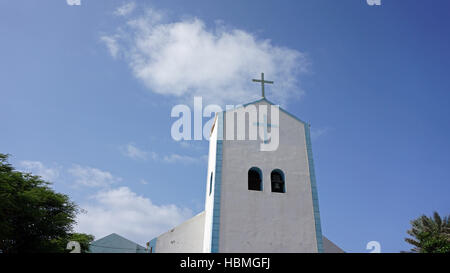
{"x":152,"y":245}
{"x":315,"y":196}
{"x":217,"y":187}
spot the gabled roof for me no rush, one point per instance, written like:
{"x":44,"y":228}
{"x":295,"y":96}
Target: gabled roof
{"x":114,"y":243}
{"x":269,"y":102}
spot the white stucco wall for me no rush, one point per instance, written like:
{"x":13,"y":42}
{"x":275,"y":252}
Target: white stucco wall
{"x":253,"y":221}
{"x":185,"y":238}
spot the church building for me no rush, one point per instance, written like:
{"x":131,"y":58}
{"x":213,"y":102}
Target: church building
{"x":257,"y":199}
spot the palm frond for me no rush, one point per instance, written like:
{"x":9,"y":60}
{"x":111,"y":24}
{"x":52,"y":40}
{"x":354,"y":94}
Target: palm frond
{"x":412,"y":242}
{"x":424,"y":228}
{"x":437,"y":219}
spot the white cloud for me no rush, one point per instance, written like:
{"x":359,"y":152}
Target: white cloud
{"x":125,"y":9}
{"x":144,"y":182}
{"x":154,"y":156}
{"x":131,"y":151}
{"x":124,"y":212}
{"x":73,"y":2}
{"x":184,"y":159}
{"x":112,"y":45}
{"x":185,"y":58}
{"x":316,"y":133}
{"x":38,"y":168}
{"x":192,"y":145}
{"x":92,"y":177}
{"x":185,"y":144}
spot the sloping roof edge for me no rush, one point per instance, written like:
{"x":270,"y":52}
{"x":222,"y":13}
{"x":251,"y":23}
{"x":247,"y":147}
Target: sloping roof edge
{"x":266,"y":100}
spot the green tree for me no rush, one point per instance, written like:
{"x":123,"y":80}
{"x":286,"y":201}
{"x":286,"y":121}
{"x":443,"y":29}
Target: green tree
{"x":430,"y":234}
{"x":33,"y":218}
{"x":83,"y":239}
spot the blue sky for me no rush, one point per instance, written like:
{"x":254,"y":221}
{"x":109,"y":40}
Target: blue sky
{"x":86,"y":93}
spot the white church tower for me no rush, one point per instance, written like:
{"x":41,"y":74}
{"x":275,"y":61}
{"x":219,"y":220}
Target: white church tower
{"x":261,"y":201}
{"x":261,"y":193}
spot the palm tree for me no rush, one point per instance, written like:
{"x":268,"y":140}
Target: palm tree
{"x":431,"y":234}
